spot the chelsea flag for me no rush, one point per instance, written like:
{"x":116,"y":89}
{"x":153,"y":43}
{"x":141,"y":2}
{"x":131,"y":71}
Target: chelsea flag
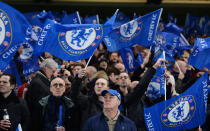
{"x":199,"y":57}
{"x":185,"y":111}
{"x":69,"y":42}
{"x":14,"y":29}
{"x":138,"y":31}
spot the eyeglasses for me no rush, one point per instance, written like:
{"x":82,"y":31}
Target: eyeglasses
{"x":58,"y":84}
{"x":125,"y":77}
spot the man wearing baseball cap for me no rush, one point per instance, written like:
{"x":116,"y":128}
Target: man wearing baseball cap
{"x":111,"y":119}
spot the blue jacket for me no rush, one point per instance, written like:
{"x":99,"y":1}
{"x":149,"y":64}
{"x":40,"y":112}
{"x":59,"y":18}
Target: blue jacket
{"x":98,"y":123}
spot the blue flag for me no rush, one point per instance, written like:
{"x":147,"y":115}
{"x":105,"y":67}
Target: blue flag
{"x":30,"y":15}
{"x":31,"y":65}
{"x":171,"y":43}
{"x":121,"y":19}
{"x":73,"y":18}
{"x":19,"y":128}
{"x":60,"y":123}
{"x":139,"y":31}
{"x":157,"y":85}
{"x":69,"y":42}
{"x":171,"y":18}
{"x":199,"y":57}
{"x":131,"y":64}
{"x":186,"y":111}
{"x":110,"y":23}
{"x":14,"y":29}
{"x":91,"y":20}
{"x":12,"y":69}
{"x":173,"y":28}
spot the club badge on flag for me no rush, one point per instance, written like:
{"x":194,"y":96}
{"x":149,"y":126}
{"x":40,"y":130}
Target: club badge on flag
{"x":14,"y":29}
{"x":69,"y":42}
{"x":199,"y":57}
{"x":186,"y":111}
{"x":138,"y":31}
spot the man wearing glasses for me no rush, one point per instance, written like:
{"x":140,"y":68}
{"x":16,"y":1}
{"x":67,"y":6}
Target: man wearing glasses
{"x":56,"y":108}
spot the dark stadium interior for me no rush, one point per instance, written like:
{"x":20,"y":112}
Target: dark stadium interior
{"x":106,"y":8}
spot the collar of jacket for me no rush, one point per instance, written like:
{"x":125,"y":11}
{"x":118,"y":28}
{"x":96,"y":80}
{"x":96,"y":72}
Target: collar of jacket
{"x":42,"y":73}
{"x":12,"y":98}
{"x":68,"y":102}
{"x":120,"y":117}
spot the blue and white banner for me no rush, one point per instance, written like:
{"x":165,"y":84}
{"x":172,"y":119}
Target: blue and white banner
{"x":14,"y":29}
{"x":200,"y":57}
{"x":171,"y":43}
{"x":156,"y":87}
{"x":131,"y":64}
{"x":12,"y":69}
{"x":69,"y":42}
{"x":138,"y":31}
{"x":31,"y":65}
{"x":186,"y":111}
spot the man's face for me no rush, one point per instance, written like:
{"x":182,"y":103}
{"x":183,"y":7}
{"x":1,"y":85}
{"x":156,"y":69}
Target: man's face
{"x":120,"y":67}
{"x":5,"y":86}
{"x":50,"y":71}
{"x":111,"y":101}
{"x":77,"y":70}
{"x":114,"y":77}
{"x":100,"y":85}
{"x":114,"y":57}
{"x":124,"y":79}
{"x":57,"y":87}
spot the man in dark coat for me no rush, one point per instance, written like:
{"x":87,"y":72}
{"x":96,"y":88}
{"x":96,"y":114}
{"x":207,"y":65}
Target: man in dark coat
{"x":16,"y":108}
{"x":56,"y":109}
{"x":111,"y":119}
{"x":39,"y":88}
{"x":88,"y":105}
{"x":132,"y":104}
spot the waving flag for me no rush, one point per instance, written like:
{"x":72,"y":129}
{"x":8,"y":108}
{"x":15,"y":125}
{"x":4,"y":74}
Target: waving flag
{"x":131,"y":64}
{"x":69,"y":42}
{"x":171,"y":43}
{"x":157,"y":85}
{"x":14,"y":29}
{"x":138,"y":31}
{"x":73,"y":18}
{"x":110,"y":23}
{"x":121,"y":19}
{"x":186,"y":111}
{"x":173,"y":28}
{"x":199,"y":57}
{"x":12,"y":69}
{"x":91,"y":20}
{"x":31,"y":65}
{"x":171,"y":18}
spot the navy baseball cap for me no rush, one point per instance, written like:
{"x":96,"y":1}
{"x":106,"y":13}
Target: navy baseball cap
{"x":113,"y":92}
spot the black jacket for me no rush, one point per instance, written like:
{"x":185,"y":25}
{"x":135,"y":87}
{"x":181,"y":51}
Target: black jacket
{"x":98,"y":123}
{"x":17,"y":110}
{"x":87,"y":105}
{"x":133,"y":105}
{"x":67,"y":119}
{"x":38,"y":88}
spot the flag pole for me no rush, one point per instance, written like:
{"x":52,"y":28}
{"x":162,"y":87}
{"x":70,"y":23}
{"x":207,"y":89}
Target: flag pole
{"x":164,"y":57}
{"x":88,"y":61}
{"x":178,"y":66}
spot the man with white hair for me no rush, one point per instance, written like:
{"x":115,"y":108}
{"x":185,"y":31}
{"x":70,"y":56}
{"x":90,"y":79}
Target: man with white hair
{"x":111,"y":119}
{"x":39,"y":88}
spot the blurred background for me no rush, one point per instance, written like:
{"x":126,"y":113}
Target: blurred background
{"x":106,"y":8}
